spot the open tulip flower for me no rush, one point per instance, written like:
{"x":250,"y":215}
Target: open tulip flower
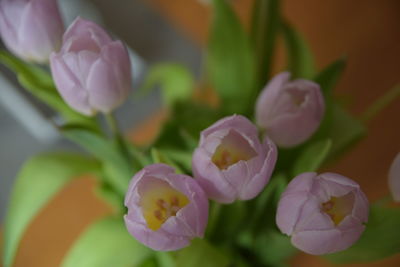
{"x":230,"y":162}
{"x":322,"y":213}
{"x":165,"y":210}
{"x":92,"y":72}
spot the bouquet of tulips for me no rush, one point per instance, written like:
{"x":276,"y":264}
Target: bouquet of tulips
{"x":231,"y":179}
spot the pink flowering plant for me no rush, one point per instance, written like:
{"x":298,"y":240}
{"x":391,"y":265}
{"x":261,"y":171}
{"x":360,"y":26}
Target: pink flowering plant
{"x":232,"y":184}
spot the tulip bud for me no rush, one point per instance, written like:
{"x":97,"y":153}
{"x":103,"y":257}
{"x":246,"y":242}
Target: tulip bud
{"x":230,"y":162}
{"x":394,"y":178}
{"x":290,"y":112}
{"x":165,"y":210}
{"x":92,"y":72}
{"x":322,"y":213}
{"x":31,"y":29}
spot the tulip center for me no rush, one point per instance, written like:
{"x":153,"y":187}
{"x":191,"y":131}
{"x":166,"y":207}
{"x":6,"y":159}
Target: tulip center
{"x":339,"y":207}
{"x":233,"y":148}
{"x":159,"y":202}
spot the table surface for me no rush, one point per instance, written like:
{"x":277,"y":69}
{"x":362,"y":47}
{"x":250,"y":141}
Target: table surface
{"x":368,"y":31}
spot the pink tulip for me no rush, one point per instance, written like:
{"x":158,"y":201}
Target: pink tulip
{"x":290,"y":112}
{"x":394,"y":178}
{"x":322,"y":213}
{"x":165,"y":210}
{"x":230,"y":162}
{"x":92,"y":72}
{"x":31,"y":29}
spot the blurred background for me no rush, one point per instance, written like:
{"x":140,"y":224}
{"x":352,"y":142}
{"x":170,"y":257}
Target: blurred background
{"x":367,"y":32}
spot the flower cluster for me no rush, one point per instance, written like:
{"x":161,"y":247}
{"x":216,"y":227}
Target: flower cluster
{"x":322,"y":213}
{"x":233,"y":161}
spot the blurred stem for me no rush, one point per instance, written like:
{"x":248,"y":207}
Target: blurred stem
{"x":380,"y":104}
{"x":213,"y":219}
{"x":384,"y":201}
{"x":120,"y":141}
{"x":265,"y":25}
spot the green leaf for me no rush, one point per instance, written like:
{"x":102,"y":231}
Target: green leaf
{"x":175,"y":80}
{"x":180,"y":132}
{"x":301,"y":61}
{"x":165,"y":259}
{"x":106,"y":243}
{"x":381,"y":238}
{"x":40,"y":84}
{"x":265,"y":27}
{"x":328,"y":77}
{"x":119,"y":170}
{"x":312,"y":157}
{"x":160,"y":157}
{"x":199,"y":254}
{"x":230,"y":61}
{"x":183,"y":158}
{"x":344,"y":131}
{"x":273,"y":247}
{"x":264,"y":208}
{"x":40,"y":178}
{"x":218,"y":230}
{"x":381,"y":103}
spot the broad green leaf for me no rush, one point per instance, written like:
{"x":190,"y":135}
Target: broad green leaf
{"x":230,"y":60}
{"x":199,"y":254}
{"x":345,"y":130}
{"x":183,"y":158}
{"x":108,"y":194}
{"x":274,"y":248}
{"x":160,"y":157}
{"x":180,"y":132}
{"x":106,"y":243}
{"x":300,"y":58}
{"x":165,"y":259}
{"x":175,"y":81}
{"x":40,"y":178}
{"x":119,"y":170}
{"x":150,"y":262}
{"x":381,"y":238}
{"x":265,"y":27}
{"x":312,"y":157}
{"x":264,"y":209}
{"x":40,"y":84}
{"x":328,"y":77}
{"x":218,"y":230}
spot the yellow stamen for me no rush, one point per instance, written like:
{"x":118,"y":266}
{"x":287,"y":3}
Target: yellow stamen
{"x":161,"y":203}
{"x":338,"y":207}
{"x":233,"y":148}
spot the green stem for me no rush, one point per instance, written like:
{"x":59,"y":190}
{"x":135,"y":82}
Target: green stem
{"x":380,"y":104}
{"x":120,"y":141}
{"x":265,"y":24}
{"x":213,"y":219}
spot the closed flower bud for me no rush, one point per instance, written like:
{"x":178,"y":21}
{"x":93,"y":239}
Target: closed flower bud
{"x":230,"y":162}
{"x":322,"y":213}
{"x":394,"y":178}
{"x":31,"y":29}
{"x":165,"y":210}
{"x":92,"y":72}
{"x":290,"y":111}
